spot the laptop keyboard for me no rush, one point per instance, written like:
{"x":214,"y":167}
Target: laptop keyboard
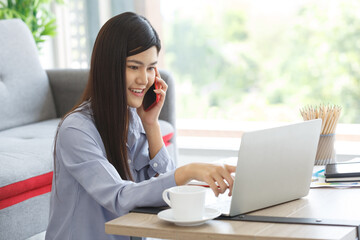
{"x":222,"y":202}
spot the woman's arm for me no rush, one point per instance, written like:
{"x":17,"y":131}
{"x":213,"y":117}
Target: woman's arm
{"x":150,"y":119}
{"x":143,"y":166}
{"x":82,"y":156}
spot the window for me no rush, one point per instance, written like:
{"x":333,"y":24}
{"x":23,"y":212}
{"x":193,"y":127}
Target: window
{"x":243,"y":64}
{"x":240,"y":59}
{"x":257,"y":60}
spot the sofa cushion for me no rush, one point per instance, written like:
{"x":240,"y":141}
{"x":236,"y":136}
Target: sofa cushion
{"x":25,"y":93}
{"x":26,"y":161}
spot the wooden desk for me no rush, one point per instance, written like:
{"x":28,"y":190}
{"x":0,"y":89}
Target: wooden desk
{"x":343,"y":204}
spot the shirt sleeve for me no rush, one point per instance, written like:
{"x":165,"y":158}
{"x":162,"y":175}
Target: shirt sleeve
{"x":84,"y":159}
{"x":161,"y":163}
{"x":146,"y":168}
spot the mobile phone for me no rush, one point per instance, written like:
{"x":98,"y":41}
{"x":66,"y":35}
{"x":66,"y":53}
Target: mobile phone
{"x":151,"y":98}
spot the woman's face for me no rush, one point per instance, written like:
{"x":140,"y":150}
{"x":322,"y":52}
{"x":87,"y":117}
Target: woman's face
{"x":140,"y":75}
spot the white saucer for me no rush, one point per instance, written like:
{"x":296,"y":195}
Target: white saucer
{"x":210,"y":213}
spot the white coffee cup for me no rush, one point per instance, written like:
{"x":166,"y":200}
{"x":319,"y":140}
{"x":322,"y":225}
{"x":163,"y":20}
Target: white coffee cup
{"x":187,"y":202}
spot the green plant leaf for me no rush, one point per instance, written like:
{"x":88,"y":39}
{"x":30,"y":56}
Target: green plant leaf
{"x":6,"y":13}
{"x":35,"y":14}
{"x":9,"y":3}
{"x":49,"y":28}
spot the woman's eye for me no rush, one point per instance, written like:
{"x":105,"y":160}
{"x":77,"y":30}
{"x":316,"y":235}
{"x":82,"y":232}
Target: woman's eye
{"x":151,"y":68}
{"x":133,"y":67}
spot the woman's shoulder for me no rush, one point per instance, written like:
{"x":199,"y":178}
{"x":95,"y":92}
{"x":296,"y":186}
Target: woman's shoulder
{"x":81,"y":119}
{"x":78,"y":128}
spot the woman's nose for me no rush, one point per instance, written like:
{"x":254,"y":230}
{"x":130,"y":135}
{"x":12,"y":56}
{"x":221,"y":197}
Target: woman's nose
{"x":142,"y":78}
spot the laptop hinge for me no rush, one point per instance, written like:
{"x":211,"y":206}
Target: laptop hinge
{"x":290,"y":220}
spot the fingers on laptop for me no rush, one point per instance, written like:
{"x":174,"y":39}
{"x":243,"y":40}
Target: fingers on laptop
{"x":219,"y":178}
{"x":229,"y":177}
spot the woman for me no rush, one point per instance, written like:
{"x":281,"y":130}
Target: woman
{"x":106,"y":147}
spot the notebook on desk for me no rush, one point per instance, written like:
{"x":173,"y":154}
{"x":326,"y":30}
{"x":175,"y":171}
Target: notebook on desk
{"x":274,"y":166}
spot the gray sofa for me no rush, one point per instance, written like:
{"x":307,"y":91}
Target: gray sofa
{"x":32,"y":101}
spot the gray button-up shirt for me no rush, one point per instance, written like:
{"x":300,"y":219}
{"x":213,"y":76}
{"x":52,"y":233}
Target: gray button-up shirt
{"x":88,"y":191}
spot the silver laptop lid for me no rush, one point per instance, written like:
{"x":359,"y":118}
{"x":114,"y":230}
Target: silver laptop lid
{"x":274,"y":166}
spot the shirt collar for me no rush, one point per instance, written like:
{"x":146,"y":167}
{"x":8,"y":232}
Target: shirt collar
{"x":135,"y":128}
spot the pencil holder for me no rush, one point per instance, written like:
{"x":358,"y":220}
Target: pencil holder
{"x":326,"y":152}
{"x":329,"y":114}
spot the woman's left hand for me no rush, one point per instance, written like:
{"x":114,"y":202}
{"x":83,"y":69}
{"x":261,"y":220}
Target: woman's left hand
{"x":150,"y":118}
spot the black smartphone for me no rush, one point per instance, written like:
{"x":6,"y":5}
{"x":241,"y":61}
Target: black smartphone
{"x":151,"y":98}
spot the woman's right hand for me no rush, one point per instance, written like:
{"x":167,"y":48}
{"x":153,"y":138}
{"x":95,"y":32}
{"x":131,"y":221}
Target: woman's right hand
{"x":218,"y":176}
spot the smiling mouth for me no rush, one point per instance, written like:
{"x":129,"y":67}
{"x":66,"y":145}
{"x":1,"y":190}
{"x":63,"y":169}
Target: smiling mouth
{"x":137,"y":90}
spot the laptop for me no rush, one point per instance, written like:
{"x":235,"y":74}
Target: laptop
{"x":273,"y":166}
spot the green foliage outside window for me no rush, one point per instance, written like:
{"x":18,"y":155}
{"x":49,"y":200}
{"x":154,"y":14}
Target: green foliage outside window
{"x":224,"y":73}
{"x":323,"y":61}
{"x":35,"y":13}
{"x":210,"y":58}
